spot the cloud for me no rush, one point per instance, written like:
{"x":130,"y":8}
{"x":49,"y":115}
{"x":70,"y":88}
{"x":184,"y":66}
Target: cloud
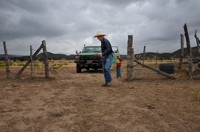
{"x":68,"y":25}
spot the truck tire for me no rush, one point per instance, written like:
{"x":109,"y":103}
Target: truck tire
{"x":168,"y":68}
{"x":78,"y":68}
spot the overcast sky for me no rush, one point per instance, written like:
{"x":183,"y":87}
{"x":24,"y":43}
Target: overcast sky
{"x":66,"y":25}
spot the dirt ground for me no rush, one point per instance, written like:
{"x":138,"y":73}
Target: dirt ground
{"x":76,"y":102}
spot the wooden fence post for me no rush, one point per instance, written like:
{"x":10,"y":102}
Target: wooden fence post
{"x":144,"y":54}
{"x":189,"y":51}
{"x":6,"y":59}
{"x":45,"y":59}
{"x":156,"y":59}
{"x":31,"y":61}
{"x":182,"y":52}
{"x":130,"y":59}
{"x":198,"y":42}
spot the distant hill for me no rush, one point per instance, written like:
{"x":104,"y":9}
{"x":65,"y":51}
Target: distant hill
{"x":167,"y":56}
{"x":10,"y":56}
{"x":148,"y":55}
{"x":123,"y":57}
{"x":56,"y":56}
{"x":60,"y":56}
{"x":177,"y":53}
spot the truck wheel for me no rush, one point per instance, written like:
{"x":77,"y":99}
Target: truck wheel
{"x":78,"y":68}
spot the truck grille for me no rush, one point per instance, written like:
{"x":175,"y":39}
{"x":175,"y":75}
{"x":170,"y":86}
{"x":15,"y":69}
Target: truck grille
{"x":89,"y":57}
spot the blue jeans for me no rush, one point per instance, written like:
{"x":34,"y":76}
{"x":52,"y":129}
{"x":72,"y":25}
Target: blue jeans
{"x":118,"y":70}
{"x":106,"y":64}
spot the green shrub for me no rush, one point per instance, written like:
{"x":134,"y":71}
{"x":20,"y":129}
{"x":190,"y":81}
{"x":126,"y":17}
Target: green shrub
{"x":36,"y":65}
{"x":20,"y":64}
{"x":35,"y":61}
{"x":10,"y":63}
{"x":60,"y":65}
{"x":2,"y":64}
{"x":148,"y":65}
{"x":55,"y":67}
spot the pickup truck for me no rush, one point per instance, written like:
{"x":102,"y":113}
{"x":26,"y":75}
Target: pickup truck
{"x":86,"y":59}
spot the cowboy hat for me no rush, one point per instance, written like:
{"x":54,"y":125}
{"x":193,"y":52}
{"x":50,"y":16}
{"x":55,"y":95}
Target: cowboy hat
{"x":99,"y":33}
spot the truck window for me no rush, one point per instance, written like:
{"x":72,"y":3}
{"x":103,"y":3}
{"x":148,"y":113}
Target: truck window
{"x":91,"y":49}
{"x":115,"y":49}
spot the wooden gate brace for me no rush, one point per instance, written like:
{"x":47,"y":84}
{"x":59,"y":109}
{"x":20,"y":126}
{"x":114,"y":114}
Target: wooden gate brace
{"x":156,"y":70}
{"x":43,"y":45}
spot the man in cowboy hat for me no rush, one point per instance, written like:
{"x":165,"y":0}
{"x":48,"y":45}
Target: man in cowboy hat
{"x":107,"y":57}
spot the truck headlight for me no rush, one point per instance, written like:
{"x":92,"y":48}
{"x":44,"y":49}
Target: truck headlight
{"x":77,"y":57}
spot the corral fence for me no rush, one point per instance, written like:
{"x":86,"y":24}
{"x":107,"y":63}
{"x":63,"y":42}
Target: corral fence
{"x":131,"y":60}
{"x":32,"y":56}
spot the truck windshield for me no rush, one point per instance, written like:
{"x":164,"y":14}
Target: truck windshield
{"x":93,"y":49}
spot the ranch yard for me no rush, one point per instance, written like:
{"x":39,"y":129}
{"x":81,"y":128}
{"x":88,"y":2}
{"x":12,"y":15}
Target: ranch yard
{"x":76,"y":102}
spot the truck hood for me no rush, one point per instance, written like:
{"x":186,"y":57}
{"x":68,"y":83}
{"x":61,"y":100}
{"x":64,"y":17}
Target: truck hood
{"x":87,"y":53}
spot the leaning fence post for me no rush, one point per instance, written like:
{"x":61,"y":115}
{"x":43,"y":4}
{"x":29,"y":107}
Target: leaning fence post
{"x":189,"y":51}
{"x":6,"y":59}
{"x":45,"y":59}
{"x":34,"y":55}
{"x":130,"y":59}
{"x":198,"y":42}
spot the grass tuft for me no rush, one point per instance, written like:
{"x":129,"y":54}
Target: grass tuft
{"x":57,"y":114}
